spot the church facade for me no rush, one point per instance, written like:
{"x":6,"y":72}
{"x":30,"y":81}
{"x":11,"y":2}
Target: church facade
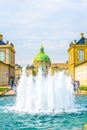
{"x":42,"y":61}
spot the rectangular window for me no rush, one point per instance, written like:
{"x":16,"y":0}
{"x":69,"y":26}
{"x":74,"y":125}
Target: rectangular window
{"x":81,"y":55}
{"x":2,"y":56}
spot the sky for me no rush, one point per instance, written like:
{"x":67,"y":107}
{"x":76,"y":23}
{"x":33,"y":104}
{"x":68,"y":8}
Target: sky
{"x":28,"y":24}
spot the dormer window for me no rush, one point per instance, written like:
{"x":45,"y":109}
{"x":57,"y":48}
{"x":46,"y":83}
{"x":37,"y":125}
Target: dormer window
{"x":81,"y":55}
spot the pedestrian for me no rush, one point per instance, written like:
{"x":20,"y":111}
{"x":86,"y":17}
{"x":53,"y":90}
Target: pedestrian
{"x":74,"y":85}
{"x":78,"y":85}
{"x":12,"y":83}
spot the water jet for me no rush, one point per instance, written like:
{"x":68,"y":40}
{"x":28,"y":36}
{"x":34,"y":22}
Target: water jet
{"x":45,"y":93}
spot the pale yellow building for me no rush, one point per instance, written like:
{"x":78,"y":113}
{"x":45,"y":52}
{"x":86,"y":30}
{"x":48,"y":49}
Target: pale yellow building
{"x":4,"y":74}
{"x":7,"y":60}
{"x":81,"y":73}
{"x":30,"y":69}
{"x":77,"y":60}
{"x":18,"y":71}
{"x":56,"y":67}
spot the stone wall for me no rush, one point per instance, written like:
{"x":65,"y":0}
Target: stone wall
{"x":4,"y":74}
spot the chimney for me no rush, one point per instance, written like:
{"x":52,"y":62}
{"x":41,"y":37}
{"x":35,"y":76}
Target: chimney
{"x":82,"y":35}
{"x":85,"y":41}
{"x":1,"y":37}
{"x":75,"y":41}
{"x":7,"y":42}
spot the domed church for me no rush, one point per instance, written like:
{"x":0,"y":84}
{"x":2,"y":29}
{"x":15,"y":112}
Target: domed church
{"x":42,"y":60}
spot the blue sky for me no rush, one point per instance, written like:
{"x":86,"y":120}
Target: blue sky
{"x":28,"y":24}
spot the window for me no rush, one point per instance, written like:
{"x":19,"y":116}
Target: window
{"x":2,"y":56}
{"x":81,"y":55}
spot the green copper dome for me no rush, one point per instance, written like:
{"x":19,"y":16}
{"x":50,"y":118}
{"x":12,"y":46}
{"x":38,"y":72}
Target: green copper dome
{"x":41,"y":56}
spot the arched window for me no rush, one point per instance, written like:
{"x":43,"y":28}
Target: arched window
{"x":81,"y":54}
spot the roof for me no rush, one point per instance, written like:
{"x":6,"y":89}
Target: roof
{"x":2,"y":43}
{"x":18,"y":66}
{"x":41,"y":56}
{"x":81,"y":41}
{"x":30,"y":67}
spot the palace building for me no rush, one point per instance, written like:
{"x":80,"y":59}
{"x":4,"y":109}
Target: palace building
{"x":7,"y":62}
{"x":77,"y":60}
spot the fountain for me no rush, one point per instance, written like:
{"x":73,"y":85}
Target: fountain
{"x":44,"y":93}
{"x":43,"y":102}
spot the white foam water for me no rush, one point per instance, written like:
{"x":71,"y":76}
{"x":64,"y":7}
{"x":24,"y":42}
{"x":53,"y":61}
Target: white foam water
{"x":45,"y":93}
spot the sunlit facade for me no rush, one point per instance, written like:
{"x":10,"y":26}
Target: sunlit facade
{"x":56,"y":67}
{"x":18,"y":71}
{"x":7,"y":62}
{"x":81,"y":73}
{"x":77,"y":60}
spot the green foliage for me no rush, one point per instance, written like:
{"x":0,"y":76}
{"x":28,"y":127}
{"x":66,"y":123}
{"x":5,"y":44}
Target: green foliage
{"x":83,"y":88}
{"x":3,"y":89}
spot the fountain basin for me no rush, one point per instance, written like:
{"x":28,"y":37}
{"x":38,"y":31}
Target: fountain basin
{"x":11,"y":119}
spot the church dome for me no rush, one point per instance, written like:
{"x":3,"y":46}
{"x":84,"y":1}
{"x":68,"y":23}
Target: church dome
{"x":41,"y":56}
